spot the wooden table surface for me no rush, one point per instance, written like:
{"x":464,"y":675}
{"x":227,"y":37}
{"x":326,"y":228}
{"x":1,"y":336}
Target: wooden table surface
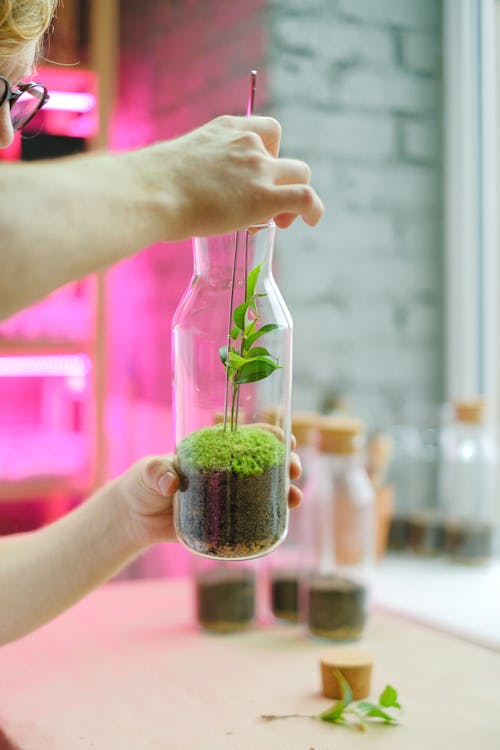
{"x":127,"y":669}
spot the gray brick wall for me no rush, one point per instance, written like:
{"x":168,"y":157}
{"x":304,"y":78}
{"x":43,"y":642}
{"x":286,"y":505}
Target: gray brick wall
{"x":357,"y":87}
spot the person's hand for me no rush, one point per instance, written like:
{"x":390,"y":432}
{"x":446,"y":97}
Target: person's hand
{"x":148,"y":489}
{"x":226,"y":176}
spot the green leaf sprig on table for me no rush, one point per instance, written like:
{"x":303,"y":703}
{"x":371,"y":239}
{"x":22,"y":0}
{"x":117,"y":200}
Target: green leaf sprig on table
{"x":245,"y":362}
{"x":355,"y":715}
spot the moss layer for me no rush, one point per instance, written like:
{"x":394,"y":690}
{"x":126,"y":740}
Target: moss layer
{"x":246,"y":451}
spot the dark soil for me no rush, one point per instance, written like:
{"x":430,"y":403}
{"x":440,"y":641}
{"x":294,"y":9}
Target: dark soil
{"x":336,"y":608}
{"x":469,"y":542}
{"x":426,"y":536}
{"x":285,"y":595}
{"x":228,"y":515}
{"x":225,"y":599}
{"x":398,"y":534}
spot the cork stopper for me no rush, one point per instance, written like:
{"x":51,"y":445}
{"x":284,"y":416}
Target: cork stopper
{"x":469,"y":411}
{"x":340,"y":435}
{"x":305,"y":426}
{"x":354,"y":664}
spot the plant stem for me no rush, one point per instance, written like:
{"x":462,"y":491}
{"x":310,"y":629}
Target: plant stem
{"x":229,"y":326}
{"x":273,"y":717}
{"x":234,"y":412}
{"x":245,"y":280}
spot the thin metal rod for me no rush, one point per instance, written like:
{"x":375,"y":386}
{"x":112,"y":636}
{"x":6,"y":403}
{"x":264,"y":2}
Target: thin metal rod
{"x":234,"y":422}
{"x":229,"y":326}
{"x":251,"y":95}
{"x":243,"y":335}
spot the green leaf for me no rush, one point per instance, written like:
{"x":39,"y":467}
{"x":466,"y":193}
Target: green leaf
{"x":249,"y":329}
{"x":252,"y":281}
{"x":257,"y":351}
{"x":345,"y":688}
{"x":371,"y":709}
{"x":388,"y":697}
{"x":254,"y":336}
{"x":256,"y":369}
{"x":235,"y":332}
{"x":334,"y":713}
{"x":236,"y":361}
{"x":239,"y":315}
{"x":223,"y":355}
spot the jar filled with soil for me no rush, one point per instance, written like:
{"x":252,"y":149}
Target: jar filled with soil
{"x":426,"y":533}
{"x":414,"y":474}
{"x":225,"y":595}
{"x":232,"y":337}
{"x":288,"y":565}
{"x":469,"y":469}
{"x":344,"y":534}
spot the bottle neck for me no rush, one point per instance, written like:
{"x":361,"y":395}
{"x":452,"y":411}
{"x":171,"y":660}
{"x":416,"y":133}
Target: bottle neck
{"x":222,"y":258}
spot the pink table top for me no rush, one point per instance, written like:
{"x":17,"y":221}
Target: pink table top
{"x":127,"y":668}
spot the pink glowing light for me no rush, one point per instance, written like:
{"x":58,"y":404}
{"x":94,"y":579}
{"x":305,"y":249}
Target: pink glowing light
{"x":70,"y":101}
{"x":43,"y":366}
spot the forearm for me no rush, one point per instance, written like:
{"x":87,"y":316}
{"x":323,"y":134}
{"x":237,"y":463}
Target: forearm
{"x":64,"y":219}
{"x":44,"y":572}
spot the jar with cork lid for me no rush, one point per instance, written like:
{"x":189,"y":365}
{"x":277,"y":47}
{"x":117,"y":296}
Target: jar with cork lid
{"x":343,"y":533}
{"x":288,"y":565}
{"x":468,"y":478}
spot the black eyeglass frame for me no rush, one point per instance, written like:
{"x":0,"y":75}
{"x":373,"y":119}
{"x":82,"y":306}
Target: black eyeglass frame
{"x":12,"y":96}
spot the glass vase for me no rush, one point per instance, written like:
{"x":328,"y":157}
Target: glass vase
{"x":344,"y":535}
{"x":232,"y":339}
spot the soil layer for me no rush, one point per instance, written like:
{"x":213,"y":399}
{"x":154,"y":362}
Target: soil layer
{"x":336,"y":608}
{"x":225,"y":600}
{"x":285,"y":595}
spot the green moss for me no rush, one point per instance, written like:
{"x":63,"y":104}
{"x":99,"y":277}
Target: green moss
{"x":247,"y":450}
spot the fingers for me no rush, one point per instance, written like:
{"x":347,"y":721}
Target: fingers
{"x":295,"y":467}
{"x":298,"y":199}
{"x":291,"y":172}
{"x":283,"y":221}
{"x":267,"y":128}
{"x":159,"y":475}
{"x":294,"y":496}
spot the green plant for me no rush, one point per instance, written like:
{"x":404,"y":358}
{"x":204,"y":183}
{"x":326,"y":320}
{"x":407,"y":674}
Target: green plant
{"x":354,"y":715}
{"x":246,"y":362}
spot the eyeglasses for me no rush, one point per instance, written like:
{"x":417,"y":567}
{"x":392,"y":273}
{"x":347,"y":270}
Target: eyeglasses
{"x":25,"y":101}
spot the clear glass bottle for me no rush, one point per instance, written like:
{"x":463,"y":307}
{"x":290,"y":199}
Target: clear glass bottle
{"x":232,"y":341}
{"x":344,"y":535}
{"x":403,"y":476}
{"x":225,"y":594}
{"x":288,"y":565}
{"x":425,"y":523}
{"x":469,"y":466}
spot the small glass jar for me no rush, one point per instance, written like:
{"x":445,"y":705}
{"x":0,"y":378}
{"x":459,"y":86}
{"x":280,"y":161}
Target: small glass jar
{"x":425,"y":523}
{"x":225,"y":594}
{"x":232,"y":339}
{"x":288,"y":565}
{"x":403,"y":472}
{"x":344,"y":534}
{"x":468,"y":479}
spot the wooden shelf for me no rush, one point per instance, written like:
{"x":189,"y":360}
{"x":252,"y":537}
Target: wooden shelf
{"x":42,"y":486}
{"x":45,"y":346}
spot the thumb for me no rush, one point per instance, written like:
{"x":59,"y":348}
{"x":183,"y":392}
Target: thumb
{"x":159,"y":476}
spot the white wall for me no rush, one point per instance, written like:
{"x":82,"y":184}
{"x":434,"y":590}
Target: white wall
{"x":357,"y":87}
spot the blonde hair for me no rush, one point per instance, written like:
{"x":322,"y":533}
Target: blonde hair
{"x":23,"y":21}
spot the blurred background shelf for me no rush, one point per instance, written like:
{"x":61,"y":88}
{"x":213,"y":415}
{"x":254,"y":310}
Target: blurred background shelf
{"x":42,"y":486}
